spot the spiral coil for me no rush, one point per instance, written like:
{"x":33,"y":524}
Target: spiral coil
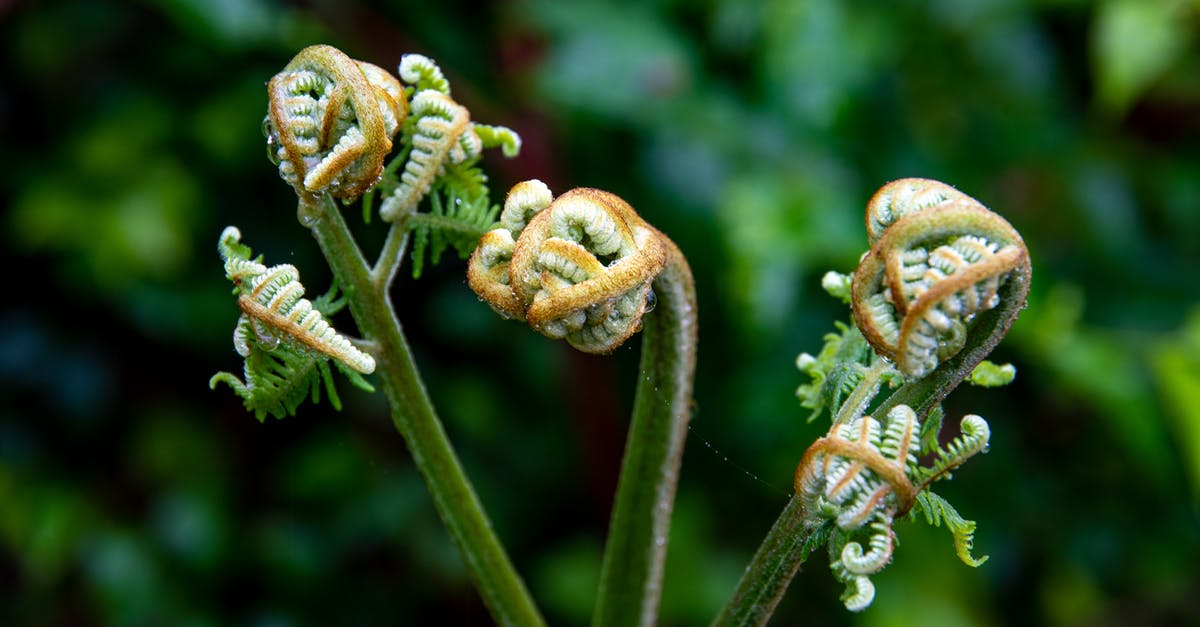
{"x":578,"y":267}
{"x":864,"y":474}
{"x":442,"y":133}
{"x":331,"y":121}
{"x":274,"y":309}
{"x":938,"y":257}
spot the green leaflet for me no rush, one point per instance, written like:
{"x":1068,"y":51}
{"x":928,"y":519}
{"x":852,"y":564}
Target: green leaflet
{"x":459,"y":215}
{"x":939,"y":511}
{"x":835,"y":371}
{"x":276,"y":384}
{"x":281,"y":370}
{"x":990,"y":375}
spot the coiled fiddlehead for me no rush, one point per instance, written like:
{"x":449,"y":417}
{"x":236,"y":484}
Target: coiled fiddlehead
{"x":284,"y":337}
{"x":440,"y":133}
{"x":331,"y":121}
{"x":938,"y":258}
{"x":865,"y":474}
{"x":577,"y":267}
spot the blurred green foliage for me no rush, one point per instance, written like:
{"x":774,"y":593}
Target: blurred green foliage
{"x":753,"y":133}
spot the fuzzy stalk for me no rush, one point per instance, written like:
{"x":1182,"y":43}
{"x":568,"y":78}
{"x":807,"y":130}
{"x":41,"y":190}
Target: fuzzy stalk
{"x":636,"y":549}
{"x":502,"y":590}
{"x":778,"y":559}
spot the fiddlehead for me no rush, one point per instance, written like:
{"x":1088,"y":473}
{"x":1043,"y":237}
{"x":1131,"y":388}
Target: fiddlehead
{"x":331,"y":121}
{"x":863,"y":475}
{"x":577,"y":267}
{"x":938,"y":258}
{"x":941,"y":284}
{"x":441,"y":135}
{"x":284,"y":338}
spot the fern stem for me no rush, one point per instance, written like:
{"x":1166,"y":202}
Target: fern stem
{"x":412,"y":412}
{"x":860,"y":397}
{"x":444,"y":223}
{"x":390,"y":256}
{"x":631,"y":575}
{"x":773,"y":566}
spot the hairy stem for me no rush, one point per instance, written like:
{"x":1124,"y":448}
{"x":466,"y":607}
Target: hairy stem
{"x":394,"y":246}
{"x":413,"y":415}
{"x":635,"y":553}
{"x":773,"y":566}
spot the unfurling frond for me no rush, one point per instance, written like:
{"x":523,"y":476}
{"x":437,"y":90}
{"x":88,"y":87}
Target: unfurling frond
{"x":577,"y":267}
{"x":937,"y":511}
{"x":284,"y":337}
{"x":938,"y":258}
{"x":331,"y":121}
{"x":863,"y":475}
{"x":422,"y":73}
{"x":442,"y":136}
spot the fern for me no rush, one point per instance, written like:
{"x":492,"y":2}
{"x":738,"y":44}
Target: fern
{"x":285,"y":340}
{"x":939,"y":511}
{"x":458,"y":220}
{"x":278,"y":381}
{"x":990,"y":375}
{"x":835,"y":372}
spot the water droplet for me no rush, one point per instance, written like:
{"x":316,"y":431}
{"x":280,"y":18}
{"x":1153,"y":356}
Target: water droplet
{"x":269,"y":342}
{"x":273,"y":150}
{"x":268,"y":130}
{"x":651,"y":301}
{"x":307,"y":219}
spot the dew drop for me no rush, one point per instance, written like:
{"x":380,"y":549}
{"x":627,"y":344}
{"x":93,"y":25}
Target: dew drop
{"x":267,"y":130}
{"x":268,"y":341}
{"x":273,"y":150}
{"x":651,"y":301}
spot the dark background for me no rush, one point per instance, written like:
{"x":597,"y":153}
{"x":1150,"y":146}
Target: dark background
{"x":751,"y":132}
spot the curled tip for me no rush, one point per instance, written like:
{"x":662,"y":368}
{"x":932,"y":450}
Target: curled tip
{"x":330,"y":122}
{"x":580,"y":267}
{"x":938,"y":258}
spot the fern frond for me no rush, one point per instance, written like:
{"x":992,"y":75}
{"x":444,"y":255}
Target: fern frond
{"x":836,"y":371}
{"x":990,"y":375}
{"x":434,"y":130}
{"x":422,"y":73}
{"x":456,"y":221}
{"x":285,"y":340}
{"x":973,"y":439}
{"x":939,"y":511}
{"x":499,"y":136}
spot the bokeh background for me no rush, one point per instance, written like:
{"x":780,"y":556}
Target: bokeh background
{"x":753,"y":133}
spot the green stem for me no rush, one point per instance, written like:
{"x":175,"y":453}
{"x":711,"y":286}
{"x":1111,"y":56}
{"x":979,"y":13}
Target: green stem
{"x":773,"y":566}
{"x":635,"y":553}
{"x":413,"y":415}
{"x":389,"y":257}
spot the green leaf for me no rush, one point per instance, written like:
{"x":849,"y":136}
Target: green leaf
{"x":990,"y":375}
{"x":939,"y":511}
{"x":1135,"y":42}
{"x":835,"y":371}
{"x":459,"y":215}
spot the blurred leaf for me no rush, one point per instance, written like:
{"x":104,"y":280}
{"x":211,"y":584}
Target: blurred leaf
{"x":1097,"y":369}
{"x":1176,"y":362}
{"x":612,"y":60}
{"x":566,"y":580}
{"x":1134,"y":42}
